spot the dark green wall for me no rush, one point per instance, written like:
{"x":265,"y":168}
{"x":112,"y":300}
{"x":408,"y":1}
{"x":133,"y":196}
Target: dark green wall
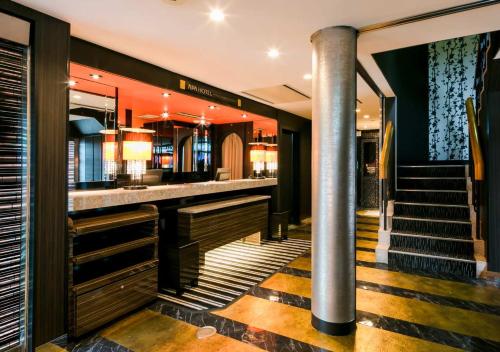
{"x":406,"y":71}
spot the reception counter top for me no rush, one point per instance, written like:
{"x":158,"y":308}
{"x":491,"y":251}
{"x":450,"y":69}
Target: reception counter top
{"x":83,"y":200}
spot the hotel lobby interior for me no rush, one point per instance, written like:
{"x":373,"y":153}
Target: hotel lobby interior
{"x":180,"y":175}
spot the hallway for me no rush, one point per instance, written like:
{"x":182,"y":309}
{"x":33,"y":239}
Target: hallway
{"x":395,"y":311}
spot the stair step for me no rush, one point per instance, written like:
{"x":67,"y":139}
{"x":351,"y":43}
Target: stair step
{"x":445,"y":227}
{"x":367,"y":227}
{"x":432,"y":183}
{"x":434,"y":211}
{"x":436,"y":237}
{"x":431,"y":254}
{"x":442,"y":245}
{"x":408,"y":260}
{"x":448,"y":197}
{"x":367,"y":220}
{"x":432,"y":170}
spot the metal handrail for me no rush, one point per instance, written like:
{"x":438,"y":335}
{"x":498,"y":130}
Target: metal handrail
{"x":477,"y":155}
{"x":383,"y":171}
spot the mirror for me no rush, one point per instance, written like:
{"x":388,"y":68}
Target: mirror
{"x":92,"y":132}
{"x":190,"y":137}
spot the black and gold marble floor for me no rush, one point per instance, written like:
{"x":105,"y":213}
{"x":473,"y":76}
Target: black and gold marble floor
{"x":231,"y":270}
{"x":396,"y":311}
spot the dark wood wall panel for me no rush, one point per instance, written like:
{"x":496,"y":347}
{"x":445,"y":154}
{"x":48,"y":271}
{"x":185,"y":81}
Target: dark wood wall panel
{"x":51,"y":52}
{"x":49,"y":107}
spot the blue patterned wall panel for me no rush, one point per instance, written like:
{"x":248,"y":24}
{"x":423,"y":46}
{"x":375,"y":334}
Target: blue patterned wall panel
{"x":452,"y":66}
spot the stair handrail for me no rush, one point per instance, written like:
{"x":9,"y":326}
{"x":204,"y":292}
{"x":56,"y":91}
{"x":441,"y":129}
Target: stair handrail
{"x":477,"y":155}
{"x":383,"y":171}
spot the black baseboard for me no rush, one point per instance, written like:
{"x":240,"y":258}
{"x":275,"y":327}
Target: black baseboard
{"x":335,"y":329}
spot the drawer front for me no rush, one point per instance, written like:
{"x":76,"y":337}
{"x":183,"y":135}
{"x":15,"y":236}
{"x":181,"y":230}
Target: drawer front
{"x":98,"y":307}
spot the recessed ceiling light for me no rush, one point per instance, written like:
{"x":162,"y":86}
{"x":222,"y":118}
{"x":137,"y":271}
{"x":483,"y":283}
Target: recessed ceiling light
{"x":165,"y":114}
{"x":72,"y":83}
{"x":365,"y":127}
{"x":366,"y":116}
{"x":273,"y":53}
{"x":212,"y":107}
{"x":77,"y":97}
{"x":244,"y":115}
{"x":95,"y":76}
{"x":165,"y":94}
{"x":308,"y":76}
{"x":358,"y":110}
{"x":217,"y":15}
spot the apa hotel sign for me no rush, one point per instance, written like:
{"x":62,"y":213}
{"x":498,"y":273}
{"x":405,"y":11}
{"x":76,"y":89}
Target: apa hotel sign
{"x":208,"y":92}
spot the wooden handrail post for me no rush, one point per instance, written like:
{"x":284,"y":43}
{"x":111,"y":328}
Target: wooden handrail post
{"x":386,"y":150}
{"x":474,"y":141}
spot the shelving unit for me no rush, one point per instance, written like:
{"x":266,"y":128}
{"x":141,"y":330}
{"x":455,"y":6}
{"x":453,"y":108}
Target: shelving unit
{"x":113,"y":266}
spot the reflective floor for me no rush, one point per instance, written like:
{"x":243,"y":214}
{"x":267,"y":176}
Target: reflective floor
{"x":395,"y":312}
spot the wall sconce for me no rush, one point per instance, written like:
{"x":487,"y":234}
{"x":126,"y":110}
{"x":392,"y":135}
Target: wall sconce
{"x":272,"y":160}
{"x":136,"y":150}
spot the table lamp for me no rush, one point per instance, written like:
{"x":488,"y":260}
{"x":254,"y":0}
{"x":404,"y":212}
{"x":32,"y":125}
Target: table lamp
{"x":272,"y":160}
{"x":136,"y":150}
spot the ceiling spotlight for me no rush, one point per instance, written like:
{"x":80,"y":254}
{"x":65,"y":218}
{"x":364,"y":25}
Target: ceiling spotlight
{"x":95,"y":76}
{"x":217,"y":15}
{"x":244,"y":115}
{"x":212,"y":107}
{"x":308,"y":76}
{"x":365,"y":127}
{"x":273,"y":53}
{"x":77,"y":97}
{"x":366,"y":116}
{"x":165,"y":114}
{"x":72,"y":83}
{"x":358,"y":110}
{"x":165,"y":94}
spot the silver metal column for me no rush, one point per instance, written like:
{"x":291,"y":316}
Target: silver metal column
{"x":334,"y":180}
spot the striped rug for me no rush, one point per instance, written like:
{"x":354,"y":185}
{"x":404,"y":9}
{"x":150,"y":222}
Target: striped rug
{"x":231,"y":270}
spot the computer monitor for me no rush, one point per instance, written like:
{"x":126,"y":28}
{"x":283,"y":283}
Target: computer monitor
{"x":223,"y":174}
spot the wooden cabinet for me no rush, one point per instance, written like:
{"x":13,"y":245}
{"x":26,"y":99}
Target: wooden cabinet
{"x":113,"y":266}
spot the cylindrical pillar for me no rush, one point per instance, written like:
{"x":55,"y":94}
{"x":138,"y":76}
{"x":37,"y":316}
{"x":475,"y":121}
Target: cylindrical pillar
{"x":334,"y":180}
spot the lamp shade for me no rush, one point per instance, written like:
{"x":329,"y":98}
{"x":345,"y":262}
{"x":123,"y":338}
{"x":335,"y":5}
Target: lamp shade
{"x":258,"y":153}
{"x":271,"y":154}
{"x":109,"y":151}
{"x":137,"y":150}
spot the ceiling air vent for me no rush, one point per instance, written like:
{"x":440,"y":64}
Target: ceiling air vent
{"x":278,"y":94}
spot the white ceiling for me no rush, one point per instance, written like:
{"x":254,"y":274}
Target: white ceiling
{"x":232,"y":55}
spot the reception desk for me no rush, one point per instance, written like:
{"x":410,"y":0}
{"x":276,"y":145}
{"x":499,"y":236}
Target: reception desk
{"x":129,"y":244}
{"x":85,"y":200}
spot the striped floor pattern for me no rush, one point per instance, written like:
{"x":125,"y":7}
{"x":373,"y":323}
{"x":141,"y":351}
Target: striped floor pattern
{"x":231,"y":270}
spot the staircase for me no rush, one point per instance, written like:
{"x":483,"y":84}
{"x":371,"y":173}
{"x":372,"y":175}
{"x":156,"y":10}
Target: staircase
{"x":431,"y":227}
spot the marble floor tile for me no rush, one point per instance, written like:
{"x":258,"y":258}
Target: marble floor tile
{"x":487,"y":295}
{"x":49,"y":347}
{"x":148,"y":331}
{"x":453,"y":319}
{"x":294,"y":322}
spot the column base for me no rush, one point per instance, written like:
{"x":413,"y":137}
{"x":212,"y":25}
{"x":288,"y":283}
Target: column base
{"x":335,"y":329}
